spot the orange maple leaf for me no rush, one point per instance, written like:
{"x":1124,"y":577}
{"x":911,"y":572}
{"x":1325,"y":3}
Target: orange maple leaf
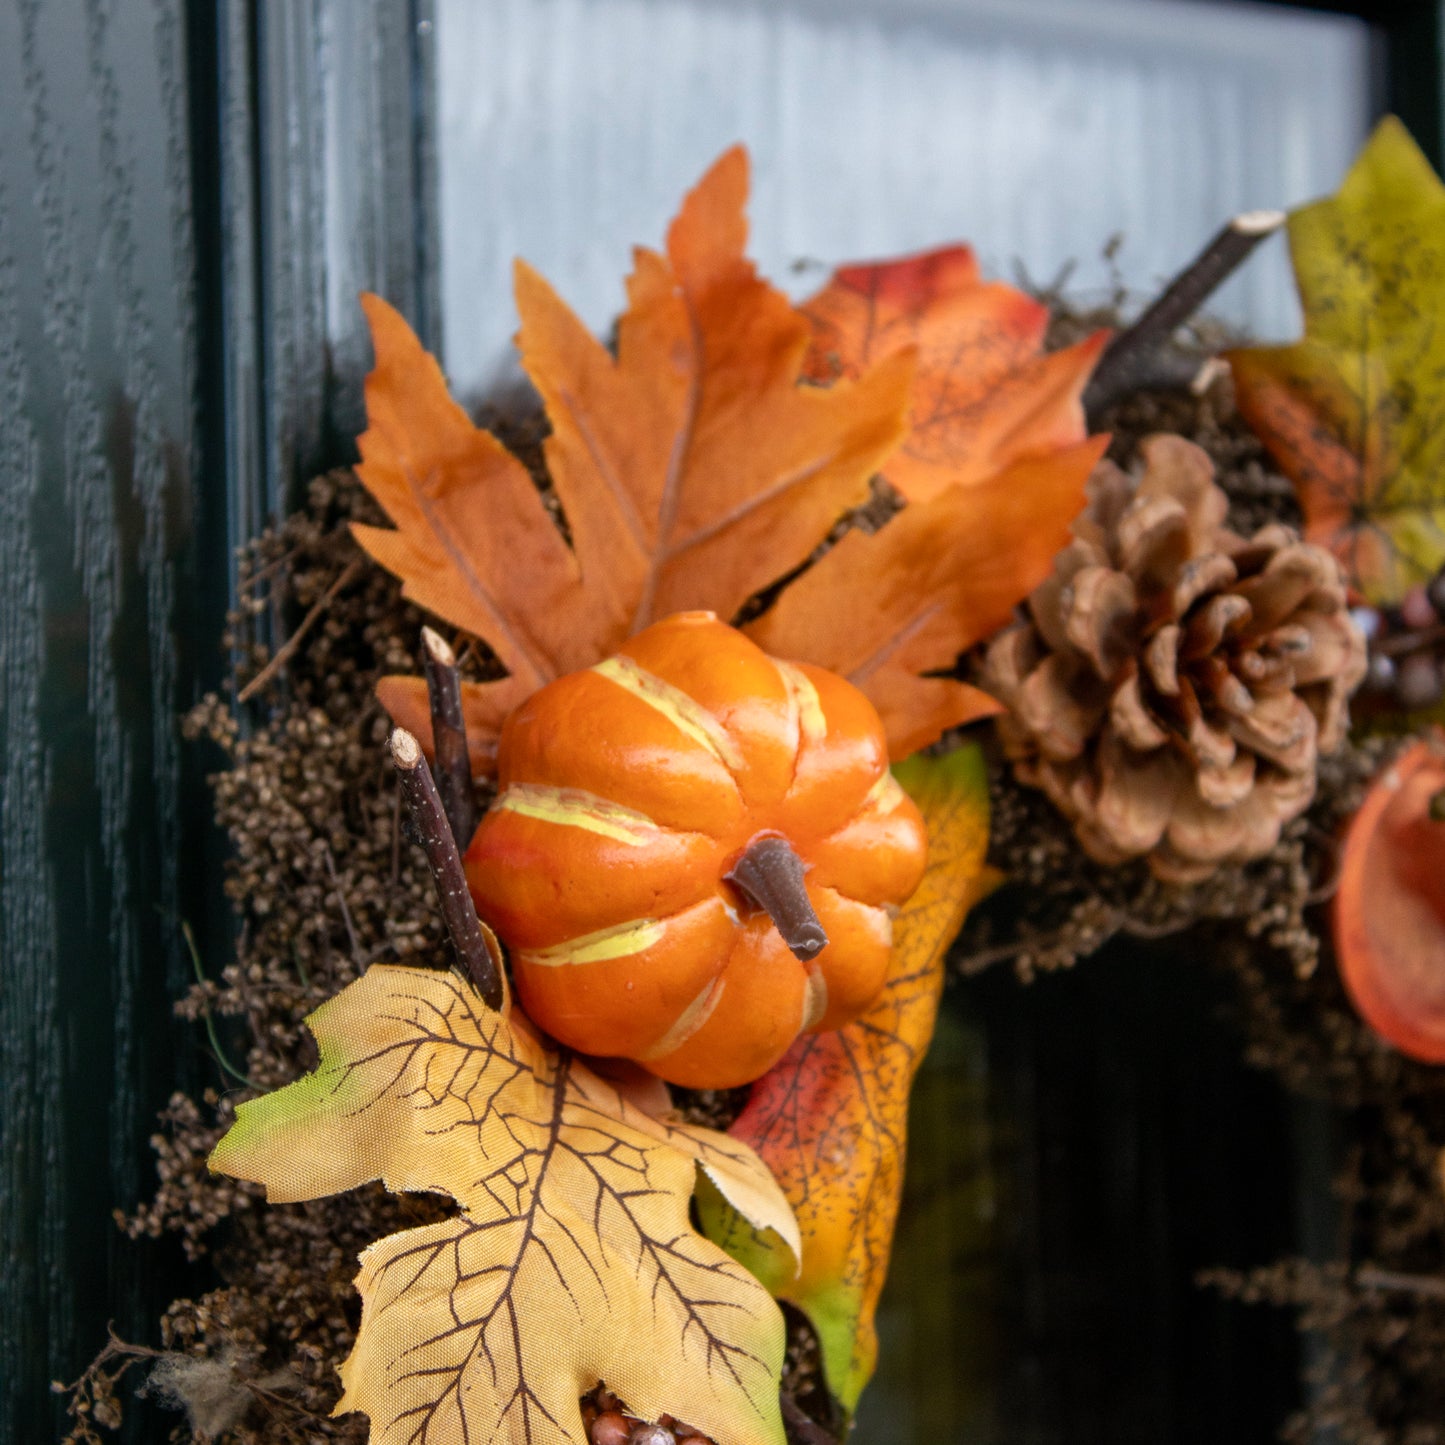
{"x":886,"y":610}
{"x":696,"y":467}
{"x":985,"y":396}
{"x":692,"y":467}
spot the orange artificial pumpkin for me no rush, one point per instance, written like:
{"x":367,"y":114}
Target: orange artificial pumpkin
{"x":652,"y":810}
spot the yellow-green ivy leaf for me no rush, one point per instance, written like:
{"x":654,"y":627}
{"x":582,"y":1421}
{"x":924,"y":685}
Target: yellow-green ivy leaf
{"x":1354,"y":413}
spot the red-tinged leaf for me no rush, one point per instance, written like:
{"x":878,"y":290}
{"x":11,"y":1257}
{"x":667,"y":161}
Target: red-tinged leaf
{"x":830,"y":1120}
{"x":1389,"y":918}
{"x":886,"y":608}
{"x":985,"y":395}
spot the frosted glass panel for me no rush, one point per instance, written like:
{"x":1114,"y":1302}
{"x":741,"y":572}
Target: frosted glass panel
{"x":1036,"y":129}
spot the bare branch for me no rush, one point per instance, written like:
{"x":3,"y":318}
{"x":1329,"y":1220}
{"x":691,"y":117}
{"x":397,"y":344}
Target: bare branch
{"x":453,"y":767}
{"x":284,"y":652}
{"x":1131,"y":362}
{"x":1423,"y":1286}
{"x":475,"y":949}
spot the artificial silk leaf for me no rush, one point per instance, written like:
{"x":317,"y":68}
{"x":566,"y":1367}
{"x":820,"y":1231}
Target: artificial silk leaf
{"x":571,"y":1259}
{"x":485,"y":706}
{"x":830,"y":1120}
{"x":1389,"y":911}
{"x":985,"y":397}
{"x":1355,"y":412}
{"x":692,"y":466}
{"x":888,"y":608}
{"x":472,"y":542}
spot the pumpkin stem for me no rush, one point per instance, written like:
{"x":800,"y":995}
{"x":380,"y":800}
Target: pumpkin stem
{"x":770,"y":875}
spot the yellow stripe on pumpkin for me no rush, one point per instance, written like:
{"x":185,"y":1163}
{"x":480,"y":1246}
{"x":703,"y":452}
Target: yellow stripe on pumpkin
{"x":886,"y":790}
{"x":685,"y":713}
{"x":689,"y":1021}
{"x":573,"y":808}
{"x":626,"y":938}
{"x":812,"y":724}
{"x":815,"y":1000}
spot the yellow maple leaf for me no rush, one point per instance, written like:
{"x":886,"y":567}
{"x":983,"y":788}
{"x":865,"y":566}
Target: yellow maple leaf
{"x":571,"y":1259}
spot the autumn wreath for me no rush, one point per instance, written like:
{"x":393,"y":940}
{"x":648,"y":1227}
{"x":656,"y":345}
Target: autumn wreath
{"x":685,"y":783}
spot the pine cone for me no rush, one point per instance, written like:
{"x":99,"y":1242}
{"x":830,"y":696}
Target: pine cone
{"x":1173,"y":683}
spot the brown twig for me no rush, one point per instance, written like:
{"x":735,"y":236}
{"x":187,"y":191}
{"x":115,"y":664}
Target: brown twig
{"x":345,"y":910}
{"x":1115,"y":921}
{"x":1423,"y":1286}
{"x":1132,"y":356}
{"x":429,"y":819}
{"x":278,"y":661}
{"x":770,"y":874}
{"x":453,"y":766}
{"x":802,"y":1429}
{"x":277,"y":564}
{"x":1408,"y":642}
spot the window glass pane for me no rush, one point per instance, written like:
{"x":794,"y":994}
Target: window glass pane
{"x":1036,"y":129}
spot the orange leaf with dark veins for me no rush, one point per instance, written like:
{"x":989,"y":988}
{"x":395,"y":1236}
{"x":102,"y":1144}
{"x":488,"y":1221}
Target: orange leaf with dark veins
{"x":1389,"y":912}
{"x":830,"y":1119}
{"x":886,"y":609}
{"x":985,"y":396}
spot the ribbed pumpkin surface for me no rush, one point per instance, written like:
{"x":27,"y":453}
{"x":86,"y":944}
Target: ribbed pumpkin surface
{"x":625,"y":794}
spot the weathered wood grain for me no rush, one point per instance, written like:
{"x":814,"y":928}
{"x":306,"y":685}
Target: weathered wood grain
{"x":97,"y":436}
{"x":190,"y":197}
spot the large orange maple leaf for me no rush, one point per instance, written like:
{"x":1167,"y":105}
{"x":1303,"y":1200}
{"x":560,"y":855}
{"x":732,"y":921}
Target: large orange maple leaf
{"x":696,"y":466}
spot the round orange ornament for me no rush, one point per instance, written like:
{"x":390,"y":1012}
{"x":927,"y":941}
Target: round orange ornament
{"x":1390,"y":904}
{"x":656,"y":814}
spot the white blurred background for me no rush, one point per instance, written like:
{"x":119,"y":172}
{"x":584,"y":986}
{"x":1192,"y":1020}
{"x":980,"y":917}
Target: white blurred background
{"x":1037,"y":130}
